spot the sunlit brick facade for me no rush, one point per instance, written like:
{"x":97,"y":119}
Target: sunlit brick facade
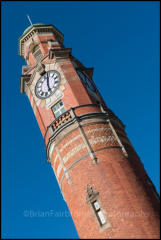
{"x":101,"y":177}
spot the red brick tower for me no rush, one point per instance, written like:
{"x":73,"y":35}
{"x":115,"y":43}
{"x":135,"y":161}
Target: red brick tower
{"x":102,"y":179}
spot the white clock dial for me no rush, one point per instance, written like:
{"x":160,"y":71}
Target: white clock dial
{"x":47,"y":84}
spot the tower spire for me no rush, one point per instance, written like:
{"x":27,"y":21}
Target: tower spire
{"x":29,"y":19}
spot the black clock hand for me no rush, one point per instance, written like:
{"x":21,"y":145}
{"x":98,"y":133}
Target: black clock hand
{"x":48,"y":82}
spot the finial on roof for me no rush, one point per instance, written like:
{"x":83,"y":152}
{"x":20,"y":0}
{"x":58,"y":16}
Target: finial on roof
{"x":29,"y":19}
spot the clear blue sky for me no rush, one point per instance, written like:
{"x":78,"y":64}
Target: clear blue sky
{"x":121,"y":40}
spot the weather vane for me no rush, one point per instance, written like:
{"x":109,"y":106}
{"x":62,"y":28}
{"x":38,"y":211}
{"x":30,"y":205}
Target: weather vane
{"x":29,"y":19}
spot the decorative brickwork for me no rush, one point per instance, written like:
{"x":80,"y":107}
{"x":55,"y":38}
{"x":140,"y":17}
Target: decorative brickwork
{"x":101,"y":177}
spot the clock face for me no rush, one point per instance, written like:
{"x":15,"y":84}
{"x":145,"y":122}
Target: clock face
{"x":86,"y":81}
{"x":47,"y":84}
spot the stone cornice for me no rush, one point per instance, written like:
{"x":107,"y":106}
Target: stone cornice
{"x":59,"y":53}
{"x":24,"y":79}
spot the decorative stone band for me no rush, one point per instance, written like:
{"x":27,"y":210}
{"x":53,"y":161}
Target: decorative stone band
{"x":76,"y":149}
{"x":103,"y":140}
{"x":79,"y":159}
{"x":97,"y":130}
{"x":68,"y":126}
{"x":93,"y":141}
{"x":68,"y":122}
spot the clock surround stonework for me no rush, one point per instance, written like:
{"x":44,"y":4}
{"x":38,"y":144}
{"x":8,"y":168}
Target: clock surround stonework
{"x":101,"y":177}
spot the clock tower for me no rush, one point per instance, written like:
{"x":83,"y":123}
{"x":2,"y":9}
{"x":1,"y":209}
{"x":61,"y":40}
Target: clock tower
{"x":101,"y":177}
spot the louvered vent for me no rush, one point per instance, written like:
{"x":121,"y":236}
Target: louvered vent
{"x":38,"y":55}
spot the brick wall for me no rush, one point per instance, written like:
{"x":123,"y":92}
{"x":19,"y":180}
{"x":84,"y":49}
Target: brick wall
{"x":122,"y":194}
{"x":91,"y":152}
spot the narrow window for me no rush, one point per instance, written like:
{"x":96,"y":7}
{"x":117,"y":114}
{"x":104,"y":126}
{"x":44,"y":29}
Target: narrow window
{"x":36,"y":51}
{"x":98,"y":213}
{"x":58,"y":109}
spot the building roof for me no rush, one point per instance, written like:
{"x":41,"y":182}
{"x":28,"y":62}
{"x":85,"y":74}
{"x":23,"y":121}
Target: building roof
{"x":38,"y":27}
{"x":33,"y":25}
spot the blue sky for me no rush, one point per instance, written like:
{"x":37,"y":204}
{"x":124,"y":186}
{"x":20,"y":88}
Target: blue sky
{"x":121,"y":40}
